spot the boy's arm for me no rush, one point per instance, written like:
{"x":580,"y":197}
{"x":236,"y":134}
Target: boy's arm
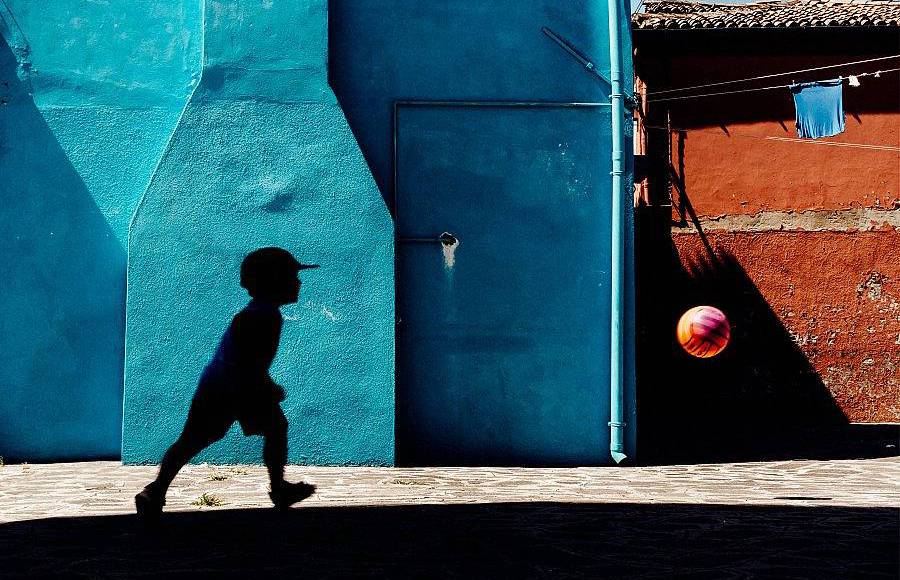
{"x":256,"y":336}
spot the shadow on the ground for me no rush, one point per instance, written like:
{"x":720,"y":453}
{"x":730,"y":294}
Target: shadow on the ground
{"x":514,"y":540}
{"x":856,"y":441}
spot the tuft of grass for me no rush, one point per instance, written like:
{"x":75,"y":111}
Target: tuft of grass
{"x":401,"y":481}
{"x":208,"y":500}
{"x":1,"y":461}
{"x":218,"y":477}
{"x":239,"y":471}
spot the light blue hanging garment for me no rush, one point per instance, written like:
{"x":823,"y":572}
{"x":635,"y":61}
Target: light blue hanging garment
{"x":820,"y":108}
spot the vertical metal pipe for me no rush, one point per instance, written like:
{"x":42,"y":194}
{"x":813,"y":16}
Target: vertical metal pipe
{"x":617,"y":306}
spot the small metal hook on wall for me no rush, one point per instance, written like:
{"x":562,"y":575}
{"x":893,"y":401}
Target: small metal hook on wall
{"x":445,"y":238}
{"x":448,"y":239}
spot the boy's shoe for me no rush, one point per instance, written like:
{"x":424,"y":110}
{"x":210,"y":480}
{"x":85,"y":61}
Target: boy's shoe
{"x":149,"y":503}
{"x":290,"y":493}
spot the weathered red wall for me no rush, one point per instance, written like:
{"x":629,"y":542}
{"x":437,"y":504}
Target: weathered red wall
{"x":755,"y":132}
{"x":810,"y":229}
{"x":838,"y":297}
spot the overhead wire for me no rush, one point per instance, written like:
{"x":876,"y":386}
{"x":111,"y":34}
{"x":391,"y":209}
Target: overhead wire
{"x":767,"y":88}
{"x":769,"y":76}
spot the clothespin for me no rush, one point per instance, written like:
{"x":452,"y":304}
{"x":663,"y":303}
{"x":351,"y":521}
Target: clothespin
{"x":854,"y":80}
{"x":877,"y":74}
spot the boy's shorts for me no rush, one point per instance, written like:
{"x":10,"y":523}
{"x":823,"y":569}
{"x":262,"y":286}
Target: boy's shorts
{"x":260,"y":418}
{"x":214,"y":410}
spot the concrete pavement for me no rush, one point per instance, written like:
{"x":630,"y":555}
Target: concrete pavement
{"x":803,"y":519}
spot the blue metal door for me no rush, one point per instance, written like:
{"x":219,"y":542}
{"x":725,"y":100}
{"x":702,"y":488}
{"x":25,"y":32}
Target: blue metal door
{"x":503,"y":258}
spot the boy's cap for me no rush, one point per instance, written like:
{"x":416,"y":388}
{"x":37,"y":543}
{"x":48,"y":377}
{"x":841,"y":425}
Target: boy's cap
{"x":265,"y":262}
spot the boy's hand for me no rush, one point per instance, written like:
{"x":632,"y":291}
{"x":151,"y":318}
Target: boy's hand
{"x":278,"y":390}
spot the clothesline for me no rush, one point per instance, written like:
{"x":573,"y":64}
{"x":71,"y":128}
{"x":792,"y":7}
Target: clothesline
{"x":768,"y":88}
{"x":871,"y":146}
{"x":769,"y":76}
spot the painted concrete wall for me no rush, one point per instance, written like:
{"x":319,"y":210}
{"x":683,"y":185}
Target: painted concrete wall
{"x":188,"y":134}
{"x":262,"y":155}
{"x":384,"y":51}
{"x":837,"y":296}
{"x":90,"y":93}
{"x":842,"y":205}
{"x":796,"y":238}
{"x":781,"y":173}
{"x":499,"y":357}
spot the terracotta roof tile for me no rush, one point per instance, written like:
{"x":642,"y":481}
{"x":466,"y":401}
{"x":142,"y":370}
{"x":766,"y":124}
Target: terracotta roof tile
{"x":681,"y":14}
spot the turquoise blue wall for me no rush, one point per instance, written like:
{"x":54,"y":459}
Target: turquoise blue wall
{"x":90,"y":93}
{"x":471,"y":50}
{"x":500,"y":358}
{"x":387,"y":50}
{"x":184,"y":134}
{"x":263,"y":156}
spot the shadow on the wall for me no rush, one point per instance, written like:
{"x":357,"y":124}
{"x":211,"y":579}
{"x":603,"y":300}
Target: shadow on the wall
{"x":759,"y":399}
{"x":63,"y":288}
{"x":514,"y":540}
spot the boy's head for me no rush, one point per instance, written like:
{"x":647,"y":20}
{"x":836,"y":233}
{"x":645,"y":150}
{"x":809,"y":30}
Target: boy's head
{"x":271,"y":274}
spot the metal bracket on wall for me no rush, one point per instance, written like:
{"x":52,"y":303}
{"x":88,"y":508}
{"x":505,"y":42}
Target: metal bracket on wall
{"x":567,"y":46}
{"x":445,"y":238}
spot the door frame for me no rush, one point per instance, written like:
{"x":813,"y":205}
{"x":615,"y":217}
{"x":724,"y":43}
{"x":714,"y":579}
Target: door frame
{"x":394,"y":210}
{"x":484,"y":104}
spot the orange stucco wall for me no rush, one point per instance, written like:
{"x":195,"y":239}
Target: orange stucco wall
{"x":739,"y":153}
{"x":809,"y":228}
{"x":761,"y":166}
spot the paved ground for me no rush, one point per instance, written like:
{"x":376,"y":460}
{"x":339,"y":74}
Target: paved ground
{"x":798,"y":519}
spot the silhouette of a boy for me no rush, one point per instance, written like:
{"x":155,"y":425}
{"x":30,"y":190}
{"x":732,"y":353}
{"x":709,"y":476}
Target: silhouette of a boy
{"x":236,"y":386}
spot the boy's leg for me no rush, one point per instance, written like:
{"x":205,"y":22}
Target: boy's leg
{"x":189,"y":444}
{"x":275,"y":448}
{"x":203,"y":427}
{"x":275,"y":457}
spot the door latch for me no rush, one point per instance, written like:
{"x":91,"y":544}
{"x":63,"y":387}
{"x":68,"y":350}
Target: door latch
{"x":445,"y":238}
